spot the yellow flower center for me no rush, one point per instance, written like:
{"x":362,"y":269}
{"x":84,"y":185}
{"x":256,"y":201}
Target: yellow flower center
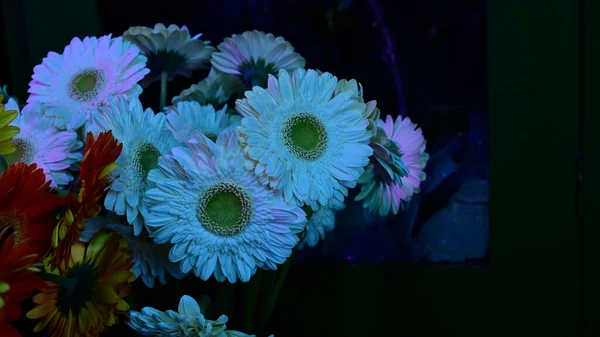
{"x":224,"y":209}
{"x":305,"y":136}
{"x":16,"y":223}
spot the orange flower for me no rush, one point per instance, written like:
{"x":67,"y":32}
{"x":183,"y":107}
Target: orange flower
{"x":98,"y":161}
{"x":86,"y":292}
{"x":18,"y":279}
{"x":27,"y":206}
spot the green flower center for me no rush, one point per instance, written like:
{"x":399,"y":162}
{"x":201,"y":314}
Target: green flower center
{"x":86,"y":85}
{"x":145,"y":159}
{"x":305,"y":136}
{"x":224,"y":209}
{"x":78,"y":288}
{"x":23,"y":153}
{"x":256,"y":73}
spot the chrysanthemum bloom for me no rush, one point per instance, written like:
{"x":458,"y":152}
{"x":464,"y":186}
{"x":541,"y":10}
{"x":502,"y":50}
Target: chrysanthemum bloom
{"x":84,"y":295}
{"x":40,"y":142}
{"x":186,"y":117}
{"x":170,"y":49}
{"x":99,"y":160}
{"x":18,"y":279}
{"x":219,"y":218}
{"x":7,"y":131}
{"x":215,"y":90}
{"x":188,"y":321}
{"x":74,"y":85}
{"x":145,"y":137}
{"x":150,"y":260}
{"x":300,"y":138}
{"x":381,"y":195}
{"x":253,"y":55}
{"x":27,"y":205}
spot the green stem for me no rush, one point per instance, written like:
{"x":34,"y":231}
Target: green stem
{"x":164,"y":77}
{"x":224,"y":297}
{"x":272,"y":299}
{"x":251,"y":294}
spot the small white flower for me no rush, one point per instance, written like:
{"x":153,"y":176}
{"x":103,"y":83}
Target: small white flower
{"x":319,"y":223}
{"x":145,"y":137}
{"x":73,"y":86}
{"x":188,"y":321}
{"x":40,"y":142}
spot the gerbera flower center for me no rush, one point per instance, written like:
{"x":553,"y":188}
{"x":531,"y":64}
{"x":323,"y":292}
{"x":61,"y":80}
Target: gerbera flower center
{"x":23,"y":153}
{"x":224,"y":209}
{"x":146,"y":158}
{"x":256,"y":72}
{"x":78,"y":291}
{"x":16,"y":224}
{"x":305,"y":137}
{"x":86,"y":85}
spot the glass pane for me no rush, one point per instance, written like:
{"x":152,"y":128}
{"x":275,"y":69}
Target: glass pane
{"x":422,"y":60}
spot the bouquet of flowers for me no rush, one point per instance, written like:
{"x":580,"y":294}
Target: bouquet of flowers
{"x":222,"y":185}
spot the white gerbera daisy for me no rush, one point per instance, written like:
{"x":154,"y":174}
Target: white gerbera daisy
{"x":150,"y":261}
{"x":384,"y":196}
{"x":300,"y":138}
{"x":145,"y":137}
{"x":186,"y":117}
{"x":187,"y":321}
{"x":318,"y":224}
{"x":39,"y":142}
{"x":73,"y":86}
{"x":170,"y":49}
{"x":254,"y":55}
{"x":219,"y":218}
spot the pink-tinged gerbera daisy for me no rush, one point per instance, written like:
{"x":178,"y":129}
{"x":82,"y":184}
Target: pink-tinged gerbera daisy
{"x":254,"y":55}
{"x":73,"y":86}
{"x":381,"y":196}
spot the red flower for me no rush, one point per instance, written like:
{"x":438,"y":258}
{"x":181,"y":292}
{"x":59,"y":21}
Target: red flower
{"x":98,"y":161}
{"x":18,"y":279}
{"x":27,"y":206}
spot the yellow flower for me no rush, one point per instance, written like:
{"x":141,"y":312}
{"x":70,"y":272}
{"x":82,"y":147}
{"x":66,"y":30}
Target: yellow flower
{"x":86,"y":291}
{"x":7,"y":132}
